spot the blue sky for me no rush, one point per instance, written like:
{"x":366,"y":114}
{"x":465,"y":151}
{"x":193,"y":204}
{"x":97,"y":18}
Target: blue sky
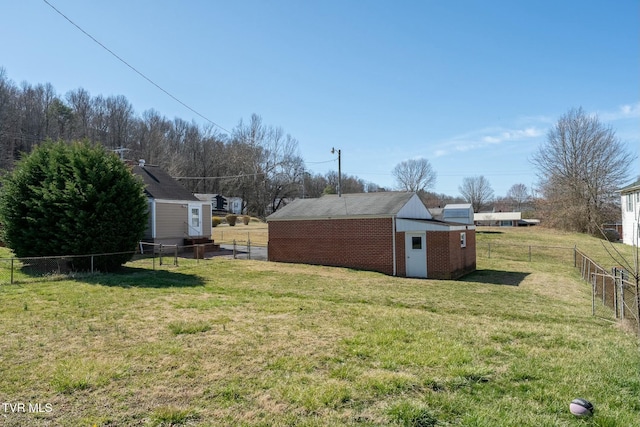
{"x":472,"y":86}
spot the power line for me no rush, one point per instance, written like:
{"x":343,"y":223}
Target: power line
{"x":220,"y":177}
{"x":135,"y":69}
{"x":326,"y":161}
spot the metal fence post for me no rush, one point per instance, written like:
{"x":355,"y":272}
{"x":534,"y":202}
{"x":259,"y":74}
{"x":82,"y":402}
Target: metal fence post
{"x":91,"y":264}
{"x":160,"y":253}
{"x":622,"y":295}
{"x":234,"y":248}
{"x":593,"y":296}
{"x":12,"y":270}
{"x":614,"y":273}
{"x":248,"y":248}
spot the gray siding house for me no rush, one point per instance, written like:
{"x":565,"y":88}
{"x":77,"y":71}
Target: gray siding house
{"x":176,"y":217}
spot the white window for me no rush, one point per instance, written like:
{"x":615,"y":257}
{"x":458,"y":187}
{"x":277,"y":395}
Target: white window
{"x":416,"y":242}
{"x":195,"y":218}
{"x":463,"y":240}
{"x":630,"y":202}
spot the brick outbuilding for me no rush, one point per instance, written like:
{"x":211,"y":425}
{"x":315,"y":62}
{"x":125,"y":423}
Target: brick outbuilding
{"x":392,"y":232}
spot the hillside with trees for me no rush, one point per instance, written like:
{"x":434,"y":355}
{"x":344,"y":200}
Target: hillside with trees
{"x":260,"y":163}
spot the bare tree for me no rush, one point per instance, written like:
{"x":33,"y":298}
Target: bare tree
{"x":151,"y":138}
{"x":9,"y":121}
{"x":119,"y":119}
{"x":314,"y":185}
{"x":349,"y":183}
{"x":270,"y":164}
{"x":477,"y":191}
{"x":80,"y":103}
{"x":518,"y":195}
{"x":414,"y":175}
{"x":580,"y":167}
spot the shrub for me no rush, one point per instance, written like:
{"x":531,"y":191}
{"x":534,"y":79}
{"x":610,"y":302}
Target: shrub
{"x":73,"y":199}
{"x":231,"y":219}
{"x":216,"y":221}
{"x":246,"y":219}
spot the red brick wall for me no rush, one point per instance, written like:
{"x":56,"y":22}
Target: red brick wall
{"x":446,"y":259}
{"x":367,"y":244}
{"x":438,"y":249}
{"x":356,"y":243}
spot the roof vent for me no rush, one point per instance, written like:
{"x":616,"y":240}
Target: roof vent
{"x":141,"y":163}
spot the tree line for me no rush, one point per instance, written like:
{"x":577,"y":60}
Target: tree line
{"x":258,"y":162}
{"x":580,"y":166}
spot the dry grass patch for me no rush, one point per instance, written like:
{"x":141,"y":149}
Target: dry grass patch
{"x":257,"y":232}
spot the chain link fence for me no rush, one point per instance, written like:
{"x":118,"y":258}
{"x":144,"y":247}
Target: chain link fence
{"x":153,"y":256}
{"x":529,"y":253}
{"x":32,"y":269}
{"x":614,"y":294}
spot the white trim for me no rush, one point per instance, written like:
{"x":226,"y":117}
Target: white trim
{"x":417,"y":225}
{"x":181,"y":202}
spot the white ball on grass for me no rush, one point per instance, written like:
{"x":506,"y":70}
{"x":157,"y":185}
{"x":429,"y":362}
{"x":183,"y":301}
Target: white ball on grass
{"x":581,"y":407}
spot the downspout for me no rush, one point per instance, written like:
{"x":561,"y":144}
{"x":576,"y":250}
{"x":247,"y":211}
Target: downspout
{"x":153,"y":219}
{"x":393,"y":228}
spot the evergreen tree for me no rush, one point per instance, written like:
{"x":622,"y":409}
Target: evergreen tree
{"x":73,"y":199}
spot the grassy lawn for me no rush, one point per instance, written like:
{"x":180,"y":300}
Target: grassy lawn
{"x":234,"y":342}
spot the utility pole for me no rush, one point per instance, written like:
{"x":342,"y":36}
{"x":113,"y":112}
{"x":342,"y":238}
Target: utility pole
{"x":333,"y":150}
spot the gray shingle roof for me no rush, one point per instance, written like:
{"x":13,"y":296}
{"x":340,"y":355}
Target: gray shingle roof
{"x":332,"y":206}
{"x":160,"y":185}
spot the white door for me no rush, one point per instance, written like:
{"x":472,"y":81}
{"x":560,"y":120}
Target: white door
{"x":195,"y":220}
{"x":416,"y":254}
